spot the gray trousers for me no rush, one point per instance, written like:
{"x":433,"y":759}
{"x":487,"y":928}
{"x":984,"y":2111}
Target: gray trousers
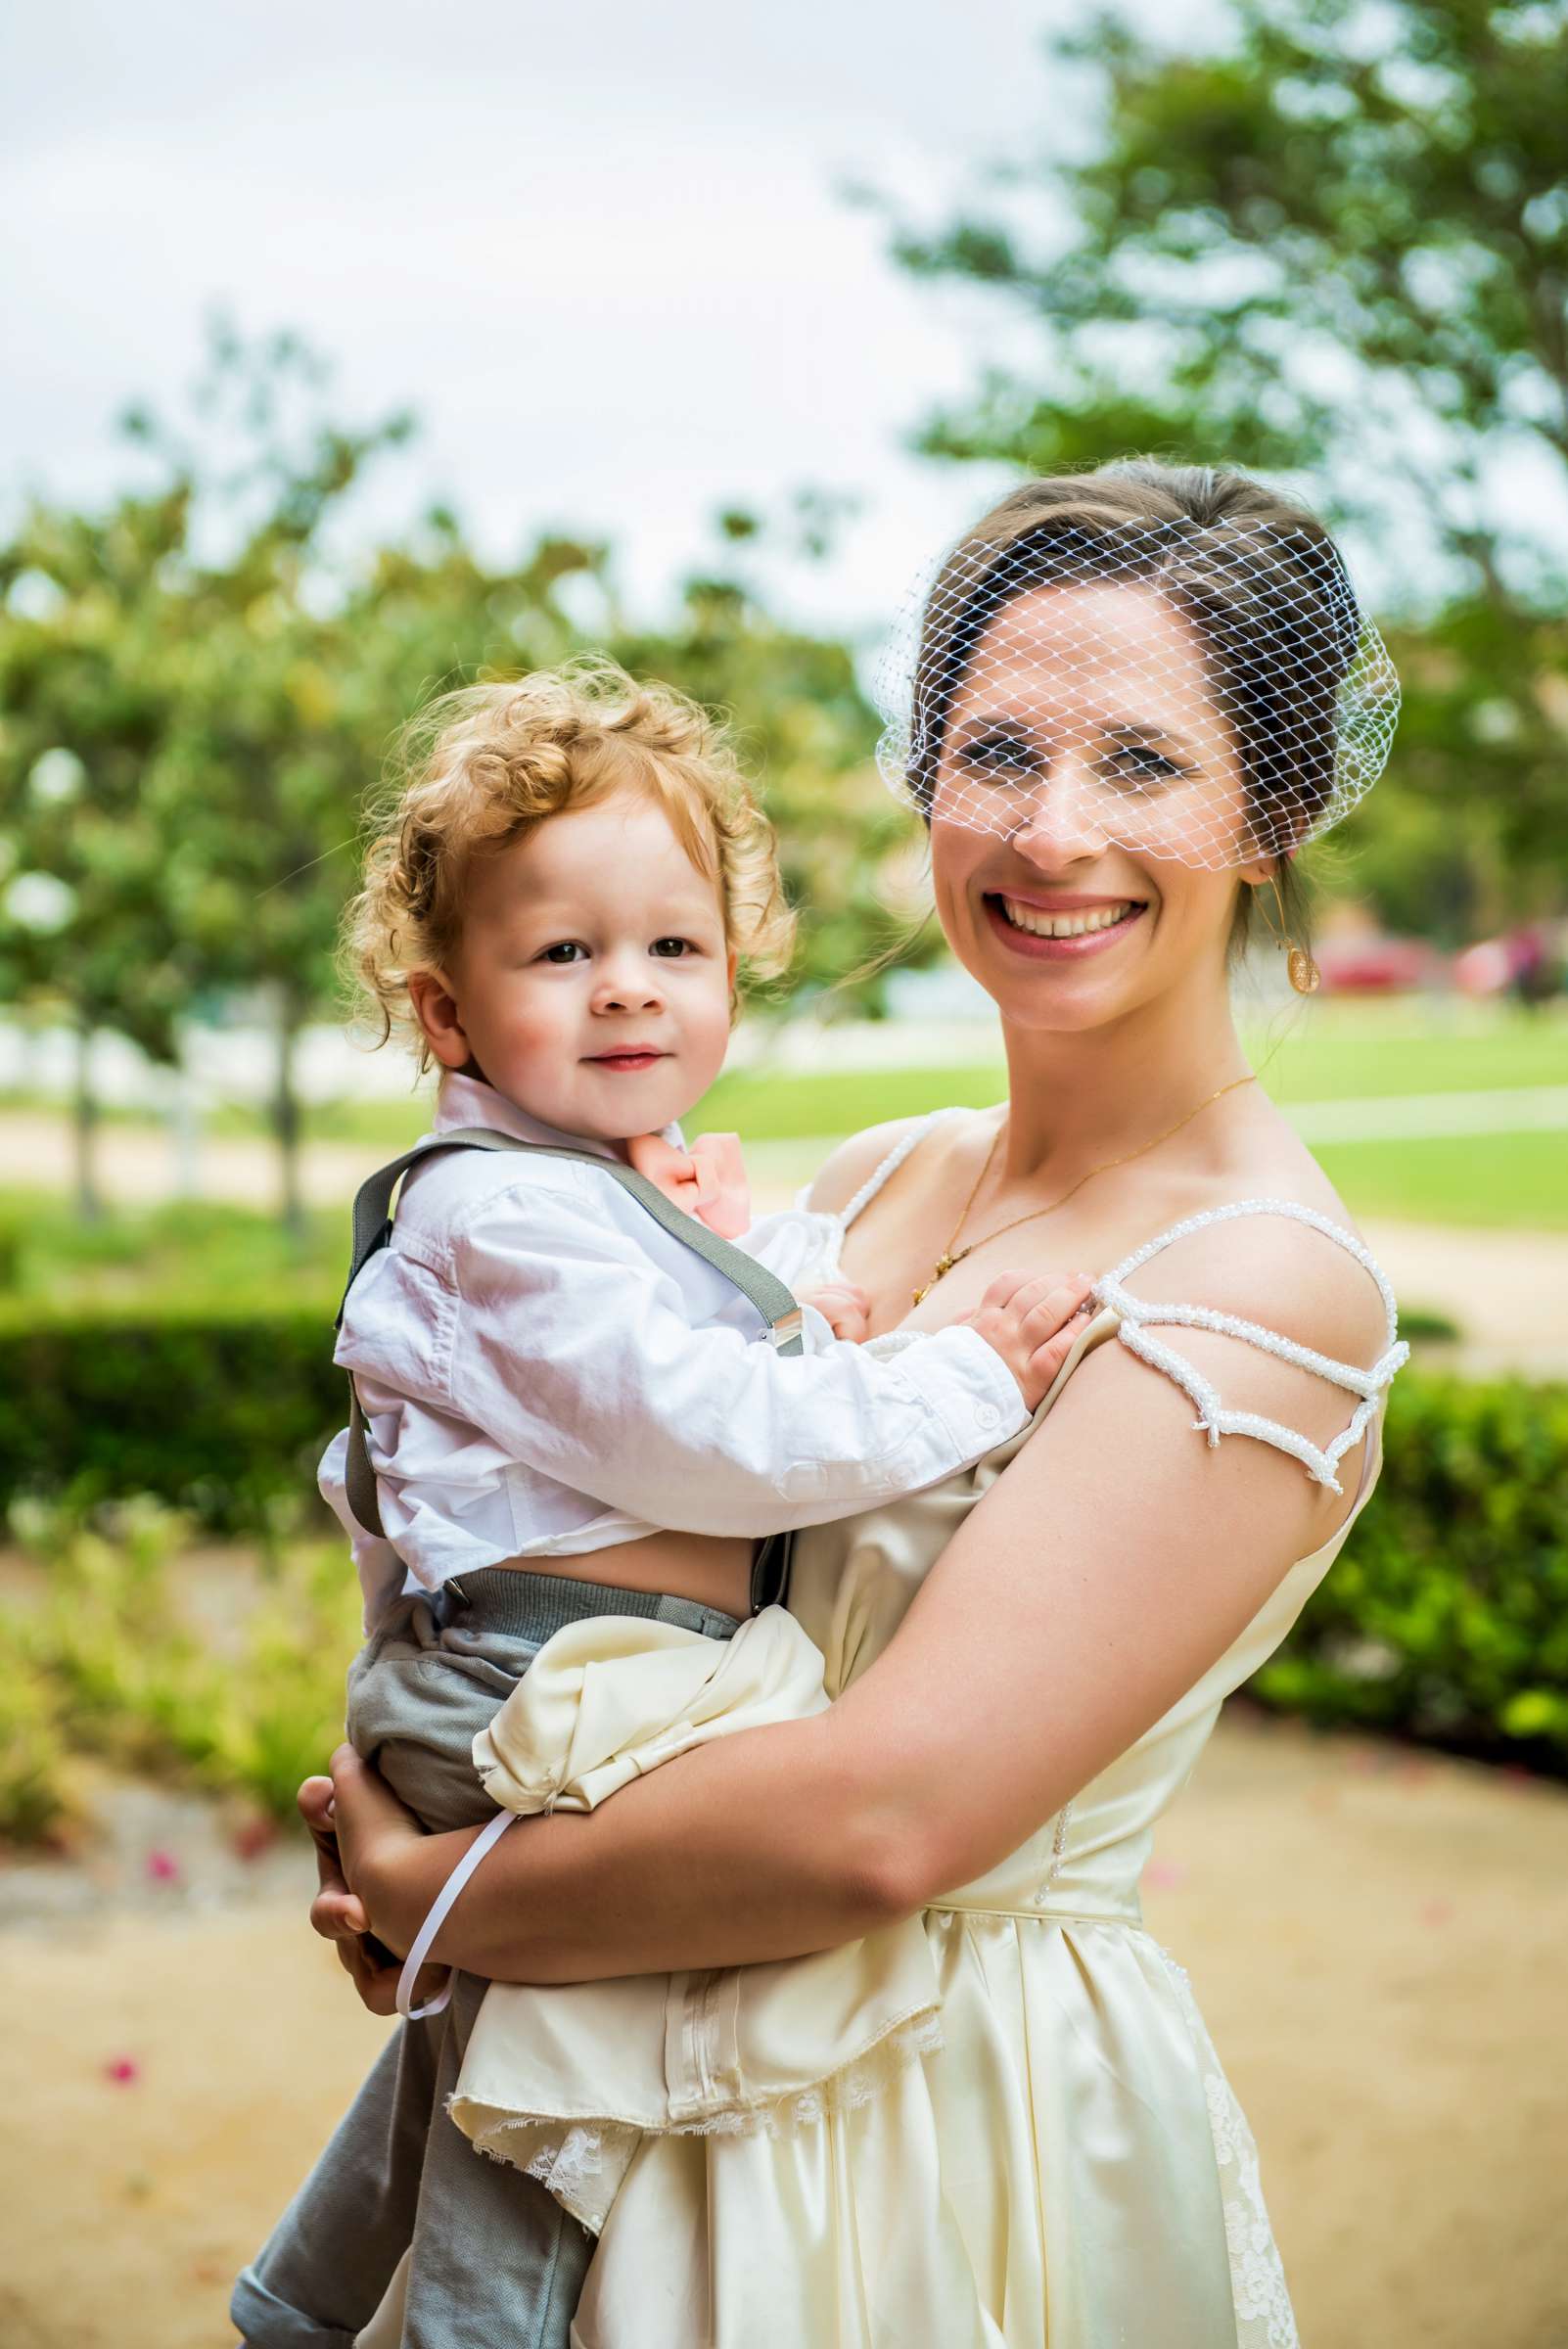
{"x":494,"y":2261}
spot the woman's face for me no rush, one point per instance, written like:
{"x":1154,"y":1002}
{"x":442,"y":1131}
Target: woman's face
{"x":1083,"y":750}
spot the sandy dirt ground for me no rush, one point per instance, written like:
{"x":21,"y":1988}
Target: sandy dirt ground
{"x":1376,"y":1936}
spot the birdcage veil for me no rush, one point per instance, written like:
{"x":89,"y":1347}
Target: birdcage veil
{"x":1236,"y":709}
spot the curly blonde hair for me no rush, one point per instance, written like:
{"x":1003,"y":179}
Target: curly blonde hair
{"x":477,"y":769}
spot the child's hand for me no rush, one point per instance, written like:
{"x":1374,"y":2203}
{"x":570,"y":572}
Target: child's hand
{"x":1031,"y":1324}
{"x":844,"y":1308}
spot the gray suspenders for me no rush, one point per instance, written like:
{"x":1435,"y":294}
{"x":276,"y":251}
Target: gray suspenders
{"x":772,"y":1299}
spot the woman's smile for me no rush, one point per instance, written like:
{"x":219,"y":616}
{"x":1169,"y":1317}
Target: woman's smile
{"x":1060,"y":925}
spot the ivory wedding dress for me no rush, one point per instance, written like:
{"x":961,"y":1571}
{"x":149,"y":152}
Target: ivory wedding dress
{"x":1031,"y":2143}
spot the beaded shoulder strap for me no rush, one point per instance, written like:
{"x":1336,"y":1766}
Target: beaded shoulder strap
{"x":1138,"y":1317}
{"x":888,"y":1166}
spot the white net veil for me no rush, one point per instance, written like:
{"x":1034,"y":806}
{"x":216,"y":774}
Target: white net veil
{"x":1234,"y":707}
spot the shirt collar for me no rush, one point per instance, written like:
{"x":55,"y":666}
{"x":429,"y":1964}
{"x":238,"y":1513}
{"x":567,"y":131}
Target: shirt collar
{"x":470,"y":1101}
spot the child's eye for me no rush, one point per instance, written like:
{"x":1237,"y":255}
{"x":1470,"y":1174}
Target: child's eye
{"x":565,"y":950}
{"x":671,"y":948}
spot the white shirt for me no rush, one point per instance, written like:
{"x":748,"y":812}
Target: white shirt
{"x":544,"y":1371}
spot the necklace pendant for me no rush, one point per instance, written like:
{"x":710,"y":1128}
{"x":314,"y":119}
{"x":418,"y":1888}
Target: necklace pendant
{"x":945,"y":1263}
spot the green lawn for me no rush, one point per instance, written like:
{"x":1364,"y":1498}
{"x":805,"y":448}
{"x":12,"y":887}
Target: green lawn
{"x":1510,"y":1181}
{"x":191,"y":1254}
{"x":1329,"y":1053}
{"x":1317,"y":1052}
{"x":1356,"y":1051}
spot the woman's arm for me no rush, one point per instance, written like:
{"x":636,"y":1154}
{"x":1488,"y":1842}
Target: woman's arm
{"x":1116,"y":1559}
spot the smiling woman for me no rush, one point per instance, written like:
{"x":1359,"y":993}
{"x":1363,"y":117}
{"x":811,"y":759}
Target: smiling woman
{"x":1199,"y":688}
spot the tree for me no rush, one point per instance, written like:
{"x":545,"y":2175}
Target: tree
{"x":807,"y":733}
{"x":87,"y":927}
{"x":1333,"y":246}
{"x":200,"y":687}
{"x":253,"y":782}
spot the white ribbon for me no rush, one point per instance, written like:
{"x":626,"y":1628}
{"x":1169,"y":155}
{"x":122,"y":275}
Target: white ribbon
{"x":440,"y":1909}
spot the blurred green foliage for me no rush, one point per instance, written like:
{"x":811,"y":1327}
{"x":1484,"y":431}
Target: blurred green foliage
{"x":110,"y":1665}
{"x":1329,"y":243}
{"x":1445,"y":1616}
{"x":218,"y":1411}
{"x":198,"y":688}
{"x":1443,"y":1619}
{"x":36,"y":1798}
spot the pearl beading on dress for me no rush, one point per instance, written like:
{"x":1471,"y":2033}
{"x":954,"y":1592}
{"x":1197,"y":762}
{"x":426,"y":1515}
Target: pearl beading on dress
{"x":1137,"y":1316}
{"x":890,"y":1165}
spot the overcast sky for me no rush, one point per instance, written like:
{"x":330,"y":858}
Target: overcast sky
{"x":602,"y":250}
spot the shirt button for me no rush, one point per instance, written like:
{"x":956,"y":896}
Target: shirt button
{"x":986,"y":1414}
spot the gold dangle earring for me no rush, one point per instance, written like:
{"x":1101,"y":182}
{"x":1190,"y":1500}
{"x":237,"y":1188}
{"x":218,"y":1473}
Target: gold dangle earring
{"x":1300,"y":968}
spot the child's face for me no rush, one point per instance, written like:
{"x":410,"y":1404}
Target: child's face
{"x":592,"y":982}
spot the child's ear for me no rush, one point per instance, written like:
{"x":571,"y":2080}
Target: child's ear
{"x":435,"y":1008}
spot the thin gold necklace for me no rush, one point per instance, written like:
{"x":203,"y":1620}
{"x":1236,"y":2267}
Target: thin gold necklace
{"x":952,"y":1255}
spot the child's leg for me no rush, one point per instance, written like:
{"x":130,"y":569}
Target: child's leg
{"x":400,"y":2172}
{"x":324,"y":2269}
{"x":494,"y":2257}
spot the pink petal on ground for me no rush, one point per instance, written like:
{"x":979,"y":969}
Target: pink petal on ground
{"x":163,"y":1868}
{"x":254,"y":1836}
{"x":1164,"y":1874}
{"x":124,"y":2070}
{"x":1437,"y":1913}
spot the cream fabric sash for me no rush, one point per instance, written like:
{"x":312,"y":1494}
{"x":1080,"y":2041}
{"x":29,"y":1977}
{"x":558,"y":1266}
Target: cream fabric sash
{"x":612,"y":1696}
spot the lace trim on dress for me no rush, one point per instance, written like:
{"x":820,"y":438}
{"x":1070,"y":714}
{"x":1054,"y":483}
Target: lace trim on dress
{"x":1265,"y":2318}
{"x":573,"y":2159}
{"x":566,"y":2169}
{"x":1138,"y":1317}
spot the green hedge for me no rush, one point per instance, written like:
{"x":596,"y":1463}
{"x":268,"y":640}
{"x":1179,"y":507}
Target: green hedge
{"x":222,"y":1416}
{"x":1446,"y":1618}
{"x":1446,"y":1615}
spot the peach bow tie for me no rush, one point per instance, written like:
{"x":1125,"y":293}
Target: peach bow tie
{"x":707,"y":1181}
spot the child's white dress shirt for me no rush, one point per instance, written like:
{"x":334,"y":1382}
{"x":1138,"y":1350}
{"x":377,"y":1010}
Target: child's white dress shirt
{"x":545,"y":1371}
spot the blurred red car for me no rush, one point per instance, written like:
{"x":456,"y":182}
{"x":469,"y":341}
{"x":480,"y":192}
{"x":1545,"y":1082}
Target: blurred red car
{"x":1375,"y":966}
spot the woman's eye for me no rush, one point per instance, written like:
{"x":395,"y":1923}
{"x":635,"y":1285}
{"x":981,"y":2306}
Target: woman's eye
{"x":1139,"y":768}
{"x":997,"y":753}
{"x":565,"y":950}
{"x":671,"y":948}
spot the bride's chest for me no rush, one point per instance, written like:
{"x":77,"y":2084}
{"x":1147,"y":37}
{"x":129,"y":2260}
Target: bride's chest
{"x":897,"y":1252}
